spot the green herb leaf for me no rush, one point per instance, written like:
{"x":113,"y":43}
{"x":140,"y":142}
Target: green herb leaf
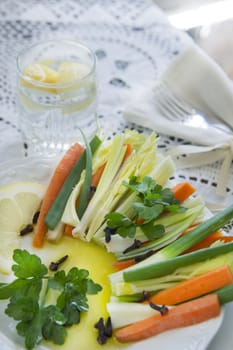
{"x":125,"y":227}
{"x":147,"y":213}
{"x":53,"y":327}
{"x":92,"y":287}
{"x":143,"y":188}
{"x":28,"y":265}
{"x":154,"y":201}
{"x":23,"y":308}
{"x":31,"y":331}
{"x":152,"y":231}
{"x":27,"y":299}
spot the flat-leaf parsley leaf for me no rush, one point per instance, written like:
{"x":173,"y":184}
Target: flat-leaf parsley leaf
{"x":27,"y":296}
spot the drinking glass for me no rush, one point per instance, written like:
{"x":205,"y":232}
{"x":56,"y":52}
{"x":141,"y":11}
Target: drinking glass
{"x":57,"y":94}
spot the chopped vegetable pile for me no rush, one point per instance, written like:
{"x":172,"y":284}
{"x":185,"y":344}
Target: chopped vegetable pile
{"x":173,"y":263}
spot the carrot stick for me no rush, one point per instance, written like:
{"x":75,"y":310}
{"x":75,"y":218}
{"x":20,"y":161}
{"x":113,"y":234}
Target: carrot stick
{"x":183,"y":190}
{"x":96,"y":177}
{"x":195,"y":287}
{"x":121,"y":265}
{"x":59,"y":176}
{"x":226,"y":239}
{"x":190,"y":228}
{"x":129,"y":150}
{"x":206,"y":242}
{"x":68,"y":230}
{"x":187,"y":314}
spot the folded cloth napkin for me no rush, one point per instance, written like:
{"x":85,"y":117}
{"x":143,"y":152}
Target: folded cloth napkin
{"x":197,"y":79}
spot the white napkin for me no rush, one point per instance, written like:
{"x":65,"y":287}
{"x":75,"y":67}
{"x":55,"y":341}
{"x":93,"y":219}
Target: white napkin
{"x":201,"y":81}
{"x":196,"y":78}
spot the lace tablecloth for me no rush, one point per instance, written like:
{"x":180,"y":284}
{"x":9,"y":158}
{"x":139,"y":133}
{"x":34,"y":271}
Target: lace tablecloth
{"x":133,"y":42}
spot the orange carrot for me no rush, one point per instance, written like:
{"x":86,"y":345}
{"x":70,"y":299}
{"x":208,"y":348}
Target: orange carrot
{"x":206,"y":242}
{"x":187,"y":314}
{"x":59,"y":176}
{"x":68,"y":230}
{"x":226,"y":239}
{"x":96,"y":177}
{"x":129,"y":150}
{"x":183,"y":190}
{"x":121,"y":265}
{"x":190,"y":228}
{"x":194,"y":287}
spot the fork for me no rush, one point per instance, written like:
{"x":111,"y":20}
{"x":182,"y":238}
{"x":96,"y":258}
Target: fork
{"x":174,"y":108}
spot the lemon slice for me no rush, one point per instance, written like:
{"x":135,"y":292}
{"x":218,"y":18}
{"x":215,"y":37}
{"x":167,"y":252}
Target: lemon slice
{"x":41,"y":72}
{"x":8,"y":242}
{"x":18,"y":204}
{"x":72,"y":71}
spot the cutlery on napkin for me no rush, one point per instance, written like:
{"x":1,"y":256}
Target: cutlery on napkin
{"x":197,"y":79}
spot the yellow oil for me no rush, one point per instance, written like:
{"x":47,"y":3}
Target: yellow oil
{"x":99,"y":264}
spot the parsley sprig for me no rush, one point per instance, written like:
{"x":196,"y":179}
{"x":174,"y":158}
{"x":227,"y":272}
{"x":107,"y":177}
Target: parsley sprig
{"x":153,"y":201}
{"x":27,"y":296}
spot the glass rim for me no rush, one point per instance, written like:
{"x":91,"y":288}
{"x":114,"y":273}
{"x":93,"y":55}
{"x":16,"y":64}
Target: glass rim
{"x":55,"y":85}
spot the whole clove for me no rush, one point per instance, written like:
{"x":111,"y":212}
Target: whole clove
{"x":109,"y":231}
{"x":27,"y":229}
{"x":104,"y":330}
{"x":143,"y":256}
{"x":162,"y":309}
{"x":136,"y":244}
{"x":35,"y":218}
{"x":54,"y":266}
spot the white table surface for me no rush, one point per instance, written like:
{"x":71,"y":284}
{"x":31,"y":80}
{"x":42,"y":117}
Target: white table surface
{"x":136,"y":42}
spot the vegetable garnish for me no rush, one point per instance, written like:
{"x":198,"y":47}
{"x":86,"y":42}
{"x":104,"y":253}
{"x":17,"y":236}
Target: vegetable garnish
{"x":117,"y":198}
{"x":149,"y":270}
{"x":86,"y":187}
{"x":55,"y":212}
{"x":194,"y":287}
{"x":154,"y":200}
{"x":59,"y":176}
{"x":189,"y":313}
{"x":153,"y":266}
{"x":28,"y":294}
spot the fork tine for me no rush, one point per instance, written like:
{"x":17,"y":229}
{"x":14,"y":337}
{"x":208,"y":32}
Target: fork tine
{"x":166,"y":111}
{"x":167,"y":104}
{"x":182,"y":105}
{"x":176,"y":108}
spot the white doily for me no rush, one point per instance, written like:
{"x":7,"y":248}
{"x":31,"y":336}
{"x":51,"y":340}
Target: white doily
{"x":133,"y":42}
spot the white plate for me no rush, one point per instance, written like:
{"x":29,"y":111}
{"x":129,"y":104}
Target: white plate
{"x":189,"y":338}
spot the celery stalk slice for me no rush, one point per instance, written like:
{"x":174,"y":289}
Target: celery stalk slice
{"x":180,"y":245}
{"x":140,"y":163}
{"x":123,"y":313}
{"x":115,"y":158}
{"x":85,"y":190}
{"x":160,"y":173}
{"x":168,"y":238}
{"x":168,"y":266}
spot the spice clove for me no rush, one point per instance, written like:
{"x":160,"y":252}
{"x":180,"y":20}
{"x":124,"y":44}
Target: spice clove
{"x":27,"y":229}
{"x":55,"y":265}
{"x":162,"y":309}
